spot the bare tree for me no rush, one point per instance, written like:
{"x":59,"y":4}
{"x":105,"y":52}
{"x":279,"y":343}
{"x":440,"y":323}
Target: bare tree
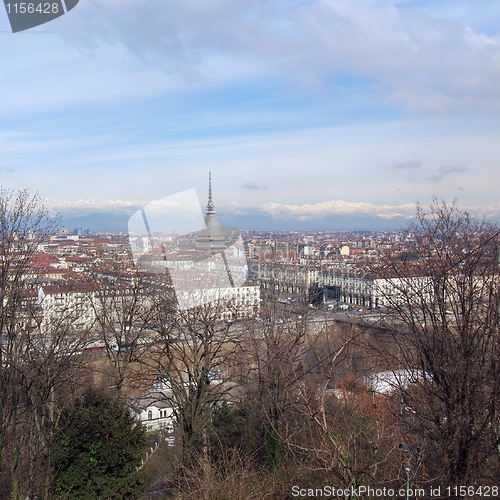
{"x":334,"y":418}
{"x":194,"y":350}
{"x":123,"y":311}
{"x":40,"y":349}
{"x":32,"y":364}
{"x":445,"y":293}
{"x":279,"y":348}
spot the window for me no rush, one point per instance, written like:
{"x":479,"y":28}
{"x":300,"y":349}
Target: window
{"x":150,"y":415}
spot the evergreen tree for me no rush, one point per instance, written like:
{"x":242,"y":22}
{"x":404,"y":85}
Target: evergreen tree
{"x":97,"y":451}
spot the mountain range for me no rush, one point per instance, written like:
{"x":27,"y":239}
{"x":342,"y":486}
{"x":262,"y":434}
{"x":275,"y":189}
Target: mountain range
{"x":117,"y":221}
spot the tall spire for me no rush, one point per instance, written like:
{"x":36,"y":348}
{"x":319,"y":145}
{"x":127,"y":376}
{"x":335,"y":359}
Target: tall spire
{"x":210,"y":205}
{"x":211,"y":236}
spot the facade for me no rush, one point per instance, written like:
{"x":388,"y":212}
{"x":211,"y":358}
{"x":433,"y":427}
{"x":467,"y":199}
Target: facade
{"x":68,"y":305}
{"x":230,"y":302}
{"x":155,"y":411}
{"x":288,"y":279}
{"x":352,"y":286}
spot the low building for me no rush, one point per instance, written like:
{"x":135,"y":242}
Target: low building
{"x":229,"y":303}
{"x":155,"y":410}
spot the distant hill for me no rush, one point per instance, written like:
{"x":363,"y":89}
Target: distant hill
{"x":117,"y":221}
{"x":97,"y":221}
{"x":331,"y":223}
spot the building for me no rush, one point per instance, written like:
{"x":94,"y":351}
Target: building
{"x":216,"y":271}
{"x":68,"y":305}
{"x":211,"y":237}
{"x":155,"y":410}
{"x":229,"y":302}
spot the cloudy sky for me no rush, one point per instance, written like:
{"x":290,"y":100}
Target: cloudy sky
{"x":302,"y":109}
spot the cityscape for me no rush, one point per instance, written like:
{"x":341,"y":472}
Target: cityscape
{"x":175,"y":331}
{"x":249,"y":250}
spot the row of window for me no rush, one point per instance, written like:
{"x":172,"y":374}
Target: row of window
{"x":163,"y":414}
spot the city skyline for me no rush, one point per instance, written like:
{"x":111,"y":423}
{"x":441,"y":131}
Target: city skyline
{"x":308,"y":113}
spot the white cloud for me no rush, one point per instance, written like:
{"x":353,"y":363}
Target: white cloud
{"x":91,"y":204}
{"x":337,"y":207}
{"x":355,"y":209}
{"x":279,"y":211}
{"x":276,"y":210}
{"x":431,"y":64}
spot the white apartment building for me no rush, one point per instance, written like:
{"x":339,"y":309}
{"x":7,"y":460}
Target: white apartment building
{"x":66,"y":305}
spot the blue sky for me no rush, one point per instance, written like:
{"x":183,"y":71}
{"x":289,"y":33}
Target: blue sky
{"x":301,"y":109}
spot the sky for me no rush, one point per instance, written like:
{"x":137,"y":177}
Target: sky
{"x":302,"y":109}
